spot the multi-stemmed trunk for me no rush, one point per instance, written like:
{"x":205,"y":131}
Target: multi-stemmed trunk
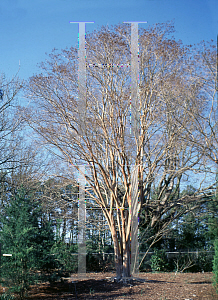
{"x":122,"y":260}
{"x":122,"y":254}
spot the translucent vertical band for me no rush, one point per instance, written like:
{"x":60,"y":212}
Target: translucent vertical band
{"x":81,"y":179}
{"x":82,"y":75}
{"x":134,"y":78}
{"x":134,"y":221}
{"x":81,"y":223}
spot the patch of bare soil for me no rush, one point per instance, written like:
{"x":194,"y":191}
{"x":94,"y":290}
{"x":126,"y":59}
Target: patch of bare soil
{"x":157,"y":286}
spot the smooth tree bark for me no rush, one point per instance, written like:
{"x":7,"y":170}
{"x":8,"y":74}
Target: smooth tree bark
{"x":103,"y":140}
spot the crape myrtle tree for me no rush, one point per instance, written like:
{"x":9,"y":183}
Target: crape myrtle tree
{"x":103,"y":141}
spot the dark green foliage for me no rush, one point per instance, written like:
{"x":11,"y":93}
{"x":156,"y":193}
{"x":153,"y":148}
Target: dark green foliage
{"x":97,"y":248}
{"x":215,"y":265}
{"x":204,"y":262}
{"x":213,"y":221}
{"x":65,"y":256}
{"x":29,"y":239}
{"x":192,"y":233}
{"x":7,"y":297}
{"x":159,"y":261}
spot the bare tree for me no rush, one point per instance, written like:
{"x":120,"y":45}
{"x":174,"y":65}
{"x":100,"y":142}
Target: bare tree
{"x":102,"y":140}
{"x":10,"y":121}
{"x":204,"y":85}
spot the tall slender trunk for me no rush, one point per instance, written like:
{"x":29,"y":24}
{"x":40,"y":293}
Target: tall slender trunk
{"x":117,"y":252}
{"x":64,"y":229}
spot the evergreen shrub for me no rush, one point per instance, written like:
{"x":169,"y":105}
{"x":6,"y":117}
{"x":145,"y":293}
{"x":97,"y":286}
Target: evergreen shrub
{"x":159,"y":261}
{"x":215,"y":265}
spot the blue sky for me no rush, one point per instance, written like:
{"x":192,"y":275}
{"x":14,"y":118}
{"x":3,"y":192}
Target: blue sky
{"x":30,"y":28}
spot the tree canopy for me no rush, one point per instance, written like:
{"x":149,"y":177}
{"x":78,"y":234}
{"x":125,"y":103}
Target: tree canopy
{"x":172,"y":86}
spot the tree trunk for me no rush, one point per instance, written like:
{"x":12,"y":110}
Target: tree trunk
{"x":126,"y":259}
{"x":118,"y":262}
{"x":122,"y":256}
{"x":64,"y":229}
{"x":117,"y":252}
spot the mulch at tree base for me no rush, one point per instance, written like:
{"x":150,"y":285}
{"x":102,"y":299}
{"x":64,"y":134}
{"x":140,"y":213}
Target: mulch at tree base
{"x":157,"y":286}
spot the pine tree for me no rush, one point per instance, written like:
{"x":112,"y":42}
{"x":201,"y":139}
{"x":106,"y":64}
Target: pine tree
{"x":28,"y":240}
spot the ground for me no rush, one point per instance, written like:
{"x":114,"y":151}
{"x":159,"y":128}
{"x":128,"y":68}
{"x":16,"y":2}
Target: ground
{"x":157,"y":286}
